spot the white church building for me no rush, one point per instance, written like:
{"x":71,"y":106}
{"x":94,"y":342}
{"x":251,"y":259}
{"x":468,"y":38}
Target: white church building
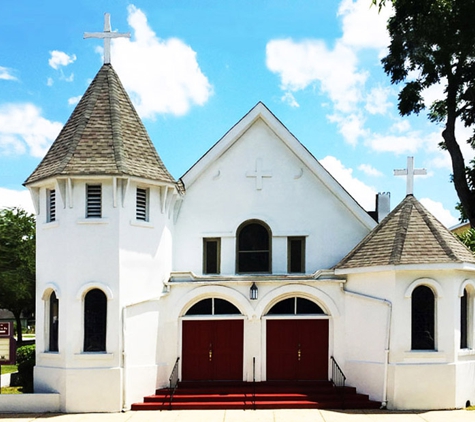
{"x":255,"y":263}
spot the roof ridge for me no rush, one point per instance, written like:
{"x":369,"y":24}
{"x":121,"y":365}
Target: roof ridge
{"x":401,"y":232}
{"x":117,"y":136}
{"x":436,"y":231}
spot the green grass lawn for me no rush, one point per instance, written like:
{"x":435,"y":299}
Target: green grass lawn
{"x":8,"y":369}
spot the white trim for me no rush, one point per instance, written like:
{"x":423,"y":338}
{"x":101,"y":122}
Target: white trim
{"x":260,"y":111}
{"x":465,"y":283}
{"x":48,"y":289}
{"x":429,"y":282}
{"x":206,"y":291}
{"x":314,"y":294}
{"x":94,"y":285}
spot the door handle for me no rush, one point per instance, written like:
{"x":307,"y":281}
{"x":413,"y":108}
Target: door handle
{"x":299,"y":353}
{"x":210,"y":353}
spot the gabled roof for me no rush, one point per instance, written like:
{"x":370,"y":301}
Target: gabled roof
{"x":408,"y":235}
{"x":260,"y":111}
{"x":103,"y":136}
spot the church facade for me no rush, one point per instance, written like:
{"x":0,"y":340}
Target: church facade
{"x":256,"y":264}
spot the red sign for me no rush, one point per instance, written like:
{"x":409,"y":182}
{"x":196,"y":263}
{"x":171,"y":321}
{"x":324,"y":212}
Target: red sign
{"x":5,"y":329}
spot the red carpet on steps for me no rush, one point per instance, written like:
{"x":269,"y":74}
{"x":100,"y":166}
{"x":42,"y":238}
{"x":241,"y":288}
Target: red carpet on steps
{"x":262,"y":395}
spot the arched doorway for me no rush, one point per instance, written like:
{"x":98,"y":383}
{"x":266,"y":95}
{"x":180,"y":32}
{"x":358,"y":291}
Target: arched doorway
{"x":212,"y":342}
{"x":297,"y":341}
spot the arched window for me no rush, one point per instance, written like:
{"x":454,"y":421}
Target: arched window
{"x":423,"y":319}
{"x":213,"y":306}
{"x":253,"y":248}
{"x":95,"y":321}
{"x":296,"y":306}
{"x":464,"y":320}
{"x":53,"y":322}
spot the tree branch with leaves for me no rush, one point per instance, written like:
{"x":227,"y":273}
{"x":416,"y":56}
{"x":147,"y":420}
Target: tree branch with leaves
{"x":432,"y":43}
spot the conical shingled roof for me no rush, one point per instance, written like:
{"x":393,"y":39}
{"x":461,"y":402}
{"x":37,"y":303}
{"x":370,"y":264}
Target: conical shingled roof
{"x":103,"y":136}
{"x":408,"y":235}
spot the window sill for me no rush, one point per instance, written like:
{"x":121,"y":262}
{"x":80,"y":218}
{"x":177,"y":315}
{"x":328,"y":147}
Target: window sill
{"x":466,"y":352}
{"x":50,"y":355}
{"x":94,"y":355}
{"x":141,"y":223}
{"x":50,"y":224}
{"x":93,"y":221}
{"x":417,"y":356}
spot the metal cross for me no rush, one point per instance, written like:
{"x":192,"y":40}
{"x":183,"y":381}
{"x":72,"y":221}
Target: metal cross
{"x":259,"y":174}
{"x":106,"y":36}
{"x":410,"y":172}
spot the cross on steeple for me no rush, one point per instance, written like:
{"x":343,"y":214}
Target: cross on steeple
{"x":106,"y":36}
{"x":259,"y":174}
{"x":410,"y":172}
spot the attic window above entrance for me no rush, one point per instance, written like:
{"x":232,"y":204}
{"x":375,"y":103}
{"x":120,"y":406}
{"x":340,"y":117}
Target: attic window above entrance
{"x":213,"y":306}
{"x":296,"y":306}
{"x":253,"y":248}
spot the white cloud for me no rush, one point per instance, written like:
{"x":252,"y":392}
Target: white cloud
{"x":439,"y":212}
{"x":363,"y":26}
{"x":59,"y":59}
{"x":6,"y":74}
{"x":300,"y":64}
{"x":290,"y":100}
{"x":161,"y":76}
{"x":363,"y":193}
{"x":10,"y":198}
{"x":401,"y":125}
{"x":49,"y":82}
{"x":377,"y":100}
{"x":369,"y":170}
{"x":401,"y":144}
{"x":351,"y":126}
{"x":21,"y":126}
{"x":74,"y":100}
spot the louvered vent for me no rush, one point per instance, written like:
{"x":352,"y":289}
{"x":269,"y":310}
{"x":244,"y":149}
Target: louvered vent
{"x":93,"y":209}
{"x":141,"y":207}
{"x":51,"y":205}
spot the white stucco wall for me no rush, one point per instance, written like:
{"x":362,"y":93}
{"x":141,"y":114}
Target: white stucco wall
{"x":293,"y":202}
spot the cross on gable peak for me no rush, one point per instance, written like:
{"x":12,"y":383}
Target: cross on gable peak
{"x":410,"y":172}
{"x":106,"y":36}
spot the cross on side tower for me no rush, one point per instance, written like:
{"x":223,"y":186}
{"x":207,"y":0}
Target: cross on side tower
{"x":106,"y":36}
{"x":410,"y":172}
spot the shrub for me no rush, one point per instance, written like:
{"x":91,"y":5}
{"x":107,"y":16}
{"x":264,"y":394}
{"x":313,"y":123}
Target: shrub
{"x":25,"y":357}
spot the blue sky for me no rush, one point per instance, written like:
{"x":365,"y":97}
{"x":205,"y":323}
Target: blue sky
{"x":194,"y":68}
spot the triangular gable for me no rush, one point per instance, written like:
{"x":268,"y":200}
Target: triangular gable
{"x":260,"y":111}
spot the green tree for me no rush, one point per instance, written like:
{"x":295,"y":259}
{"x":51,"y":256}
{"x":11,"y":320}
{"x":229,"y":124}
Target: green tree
{"x":468,"y":239}
{"x":17,"y":263}
{"x":433,"y":42}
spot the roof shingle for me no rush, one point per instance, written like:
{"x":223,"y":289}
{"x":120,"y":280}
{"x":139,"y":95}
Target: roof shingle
{"x":103,"y":136}
{"x":408,"y":235}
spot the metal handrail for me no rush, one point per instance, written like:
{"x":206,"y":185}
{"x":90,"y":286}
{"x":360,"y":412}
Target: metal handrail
{"x":338,"y":380}
{"x":174,"y":380}
{"x":254,"y":383}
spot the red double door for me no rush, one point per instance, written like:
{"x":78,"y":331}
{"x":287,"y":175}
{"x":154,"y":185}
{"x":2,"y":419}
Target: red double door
{"x":212,"y":350}
{"x":297,"y":349}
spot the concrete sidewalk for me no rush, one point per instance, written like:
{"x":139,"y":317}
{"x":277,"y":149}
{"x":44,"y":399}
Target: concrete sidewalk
{"x":252,"y":416}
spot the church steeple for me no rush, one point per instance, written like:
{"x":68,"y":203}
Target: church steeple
{"x":103,"y":136}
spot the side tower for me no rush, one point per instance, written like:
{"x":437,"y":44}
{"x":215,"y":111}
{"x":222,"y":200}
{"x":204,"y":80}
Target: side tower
{"x":104,"y":240}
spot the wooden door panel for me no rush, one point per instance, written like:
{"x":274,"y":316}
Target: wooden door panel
{"x":228,"y":350}
{"x":195,"y":347}
{"x":313,"y":339}
{"x":224,"y":339}
{"x":285,"y":338}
